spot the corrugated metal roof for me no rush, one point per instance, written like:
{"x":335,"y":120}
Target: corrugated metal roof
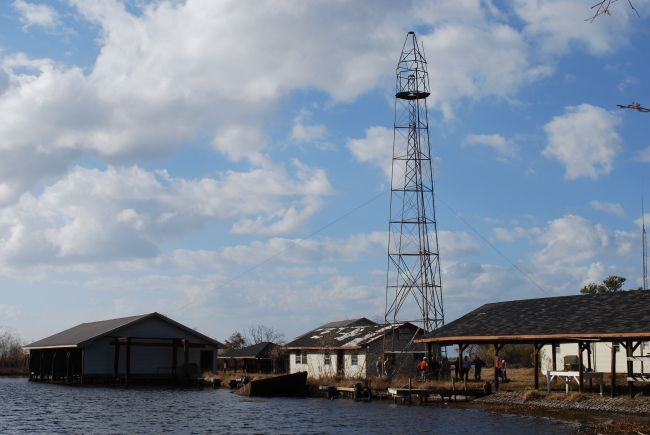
{"x":624,"y":312}
{"x":85,"y":333}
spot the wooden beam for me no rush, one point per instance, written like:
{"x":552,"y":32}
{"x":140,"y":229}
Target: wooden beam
{"x":613,"y":372}
{"x":139,"y":343}
{"x":564,"y":338}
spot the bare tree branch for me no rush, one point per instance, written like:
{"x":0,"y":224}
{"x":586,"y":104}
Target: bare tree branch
{"x":602,"y":8}
{"x":261,"y":333}
{"x":634,"y":105}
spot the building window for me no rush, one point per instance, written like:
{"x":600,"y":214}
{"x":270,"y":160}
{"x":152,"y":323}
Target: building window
{"x":298,"y":358}
{"x":404,"y":334}
{"x":557,"y":347}
{"x":328,"y":359}
{"x":304,"y":357}
{"x":646,"y":346}
{"x":617,"y":346}
{"x":355,"y":359}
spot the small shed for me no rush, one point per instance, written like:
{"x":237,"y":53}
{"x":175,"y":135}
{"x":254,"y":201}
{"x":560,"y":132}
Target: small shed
{"x":620,"y":318}
{"x":258,"y":358}
{"x":145,"y":348}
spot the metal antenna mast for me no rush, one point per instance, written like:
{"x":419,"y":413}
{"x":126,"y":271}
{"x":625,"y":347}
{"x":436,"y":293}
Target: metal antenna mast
{"x":413,"y":286}
{"x":645,"y":250}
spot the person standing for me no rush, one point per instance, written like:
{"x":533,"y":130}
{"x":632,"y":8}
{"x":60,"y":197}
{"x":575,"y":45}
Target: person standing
{"x":379,"y":365}
{"x":424,"y":368}
{"x":435,"y":369}
{"x":457,"y":367}
{"x":386,"y":365}
{"x":504,"y":376}
{"x":478,"y":365}
{"x":467,"y":366}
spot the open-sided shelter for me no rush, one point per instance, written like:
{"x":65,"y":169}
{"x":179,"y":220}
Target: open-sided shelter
{"x":149,"y":346}
{"x":351,"y":348}
{"x":256,"y":358}
{"x":620,"y":318}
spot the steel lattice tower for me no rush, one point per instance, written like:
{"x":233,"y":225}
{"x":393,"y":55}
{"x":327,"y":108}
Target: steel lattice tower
{"x":645,"y":251}
{"x":413,"y":286}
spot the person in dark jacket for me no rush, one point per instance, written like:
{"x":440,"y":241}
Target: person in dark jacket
{"x":478,"y":365}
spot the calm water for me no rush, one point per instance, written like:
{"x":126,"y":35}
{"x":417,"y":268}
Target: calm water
{"x":30,"y":407}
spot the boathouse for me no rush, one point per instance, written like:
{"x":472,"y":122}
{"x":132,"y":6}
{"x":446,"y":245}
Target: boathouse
{"x":618,"y":321}
{"x":145,"y":348}
{"x":350,"y":348}
{"x":264,"y":357}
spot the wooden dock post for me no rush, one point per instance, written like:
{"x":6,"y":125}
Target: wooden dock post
{"x":536,"y":364}
{"x":186,"y":351}
{"x":410,"y":397}
{"x":53,"y":359}
{"x":175,"y":345}
{"x":67,"y":366}
{"x":116,"y":361}
{"x":630,"y":367}
{"x":127,"y":374}
{"x":554,"y":353}
{"x":453,"y":387}
{"x":83,"y":364}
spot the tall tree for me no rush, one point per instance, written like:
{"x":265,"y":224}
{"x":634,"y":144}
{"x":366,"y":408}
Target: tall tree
{"x":610,"y":284}
{"x":261,"y":333}
{"x":235,"y":341}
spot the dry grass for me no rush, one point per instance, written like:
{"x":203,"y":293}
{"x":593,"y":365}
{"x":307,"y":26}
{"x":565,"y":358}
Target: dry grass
{"x":14,"y":371}
{"x":532,"y":395}
{"x":577,"y":397}
{"x":556,"y":397}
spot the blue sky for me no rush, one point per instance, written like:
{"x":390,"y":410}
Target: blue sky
{"x":152,"y":151}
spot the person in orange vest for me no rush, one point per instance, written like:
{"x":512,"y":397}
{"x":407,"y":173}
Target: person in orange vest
{"x":424,"y":368}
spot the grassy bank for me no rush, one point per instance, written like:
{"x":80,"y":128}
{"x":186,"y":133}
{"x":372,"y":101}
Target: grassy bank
{"x":14,"y":371}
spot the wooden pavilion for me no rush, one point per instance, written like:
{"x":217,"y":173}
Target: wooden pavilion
{"x":621,"y":318}
{"x":258,"y":358}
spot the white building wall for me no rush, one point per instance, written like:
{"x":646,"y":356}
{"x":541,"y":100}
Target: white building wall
{"x":601,"y":357}
{"x":316,"y":368}
{"x":99,"y":356}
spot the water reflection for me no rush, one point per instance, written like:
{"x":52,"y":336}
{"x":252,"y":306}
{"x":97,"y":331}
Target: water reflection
{"x":43,"y":408}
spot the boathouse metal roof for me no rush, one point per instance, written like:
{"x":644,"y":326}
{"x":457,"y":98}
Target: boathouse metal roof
{"x":84,"y":334}
{"x":602,"y":316}
{"x":259,"y":350}
{"x":339,"y":337}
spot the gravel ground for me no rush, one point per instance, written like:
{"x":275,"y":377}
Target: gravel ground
{"x":622,"y":404}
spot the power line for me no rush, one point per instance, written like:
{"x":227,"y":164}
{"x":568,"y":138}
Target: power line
{"x":281,"y":252}
{"x":499,"y":252}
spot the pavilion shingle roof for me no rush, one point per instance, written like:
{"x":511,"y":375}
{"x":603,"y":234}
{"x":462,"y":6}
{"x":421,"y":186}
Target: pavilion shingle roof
{"x":625,"y":312}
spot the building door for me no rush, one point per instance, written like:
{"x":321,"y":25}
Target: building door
{"x":340,"y":363}
{"x":207,"y":359}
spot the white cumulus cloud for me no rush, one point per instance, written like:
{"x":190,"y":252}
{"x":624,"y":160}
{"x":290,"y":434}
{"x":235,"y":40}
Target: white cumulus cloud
{"x":608,"y":207}
{"x":585,"y":140}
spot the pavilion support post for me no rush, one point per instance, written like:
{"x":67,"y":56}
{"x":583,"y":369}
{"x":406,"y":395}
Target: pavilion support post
{"x":554,"y":354}
{"x":186,"y":351}
{"x":497,"y":348}
{"x":40,"y":365}
{"x":127,"y":368}
{"x":536,"y":364}
{"x":613,"y":371}
{"x":116,"y":361}
{"x":460,"y":360}
{"x":591,"y":384}
{"x":67,"y":366}
{"x":53,"y":359}
{"x":630,"y":368}
{"x":174,"y":360}
{"x":83,"y":365}
{"x":580,"y":375}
